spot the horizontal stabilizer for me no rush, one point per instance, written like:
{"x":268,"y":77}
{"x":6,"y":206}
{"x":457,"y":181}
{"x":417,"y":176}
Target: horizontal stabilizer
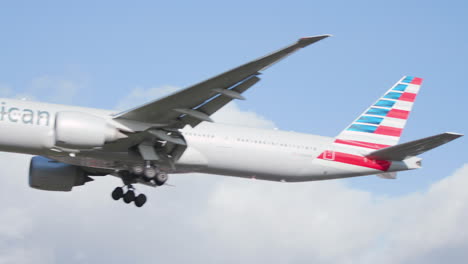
{"x":413,"y":148}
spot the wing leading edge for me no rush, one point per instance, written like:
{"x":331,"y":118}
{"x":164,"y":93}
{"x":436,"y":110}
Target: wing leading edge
{"x":196,"y":103}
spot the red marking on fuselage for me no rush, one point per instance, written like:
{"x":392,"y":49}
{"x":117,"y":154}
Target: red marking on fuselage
{"x":361,"y":144}
{"x":382,"y":165}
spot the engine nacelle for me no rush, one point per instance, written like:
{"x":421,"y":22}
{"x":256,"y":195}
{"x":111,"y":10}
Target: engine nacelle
{"x":50,"y":175}
{"x":82,"y":130}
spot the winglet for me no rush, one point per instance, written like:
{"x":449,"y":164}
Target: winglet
{"x":306,"y":41}
{"x":268,"y":60}
{"x":454,"y":134}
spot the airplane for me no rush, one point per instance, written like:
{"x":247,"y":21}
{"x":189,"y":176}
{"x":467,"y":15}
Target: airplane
{"x":143,"y":145}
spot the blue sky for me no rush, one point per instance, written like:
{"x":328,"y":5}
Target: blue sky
{"x":108,"y":48}
{"x":109,"y":53}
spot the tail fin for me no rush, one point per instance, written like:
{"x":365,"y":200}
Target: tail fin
{"x":381,"y":125}
{"x":413,"y":148}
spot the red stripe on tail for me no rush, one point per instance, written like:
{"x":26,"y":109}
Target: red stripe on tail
{"x":388,"y":131}
{"x":416,"y":81}
{"x":409,"y":97}
{"x":397,"y":113}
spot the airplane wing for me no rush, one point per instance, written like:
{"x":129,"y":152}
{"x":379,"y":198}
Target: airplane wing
{"x":197,"y":103}
{"x":159,"y":120}
{"x":413,"y":148}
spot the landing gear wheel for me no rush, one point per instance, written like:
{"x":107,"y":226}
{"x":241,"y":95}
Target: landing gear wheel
{"x":150,"y":172}
{"x":117,"y":193}
{"x":161,"y":178}
{"x":129,"y":196}
{"x":138,"y":169}
{"x":140,"y":200}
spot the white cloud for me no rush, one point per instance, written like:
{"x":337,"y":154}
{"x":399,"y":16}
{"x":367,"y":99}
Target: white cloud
{"x":329,"y":222}
{"x":231,"y":114}
{"x":139,"y":96}
{"x":52,"y":89}
{"x":213,"y":219}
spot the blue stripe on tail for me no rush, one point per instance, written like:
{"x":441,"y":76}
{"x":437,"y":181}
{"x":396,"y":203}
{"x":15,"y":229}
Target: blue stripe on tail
{"x":370,"y":120}
{"x":377,"y":111}
{"x":362,"y":128}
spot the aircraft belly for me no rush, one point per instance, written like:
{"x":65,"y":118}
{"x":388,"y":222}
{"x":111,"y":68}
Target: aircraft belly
{"x":252,"y":162}
{"x":320,"y":169}
{"x":191,"y":160}
{"x":104,"y":160}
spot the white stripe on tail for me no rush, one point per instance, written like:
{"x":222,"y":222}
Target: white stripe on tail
{"x":382,"y":123}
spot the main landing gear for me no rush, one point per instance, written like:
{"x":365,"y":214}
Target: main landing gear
{"x":129,"y":196}
{"x":149,"y":174}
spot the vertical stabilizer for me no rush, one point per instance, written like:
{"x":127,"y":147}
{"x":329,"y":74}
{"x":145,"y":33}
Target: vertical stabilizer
{"x":381,"y":125}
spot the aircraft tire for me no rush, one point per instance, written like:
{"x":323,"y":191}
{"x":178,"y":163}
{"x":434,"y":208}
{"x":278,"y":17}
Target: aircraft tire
{"x":140,"y":200}
{"x":129,"y":196}
{"x":150,"y":172}
{"x":117,"y":193}
{"x":161,"y":178}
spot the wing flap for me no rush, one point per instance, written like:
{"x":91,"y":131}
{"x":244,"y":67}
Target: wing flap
{"x":230,"y":93}
{"x":217,"y":103}
{"x":413,"y":148}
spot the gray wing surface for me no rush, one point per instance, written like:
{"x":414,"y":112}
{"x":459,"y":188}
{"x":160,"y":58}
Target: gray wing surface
{"x":197,"y":103}
{"x":413,"y":148}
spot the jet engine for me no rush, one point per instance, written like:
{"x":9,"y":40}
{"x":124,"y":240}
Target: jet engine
{"x":82,"y":131}
{"x":50,"y":175}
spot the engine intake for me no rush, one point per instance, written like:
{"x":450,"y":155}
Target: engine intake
{"x":50,"y":175}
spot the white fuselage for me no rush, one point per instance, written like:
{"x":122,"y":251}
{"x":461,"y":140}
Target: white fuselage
{"x":28,"y":127}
